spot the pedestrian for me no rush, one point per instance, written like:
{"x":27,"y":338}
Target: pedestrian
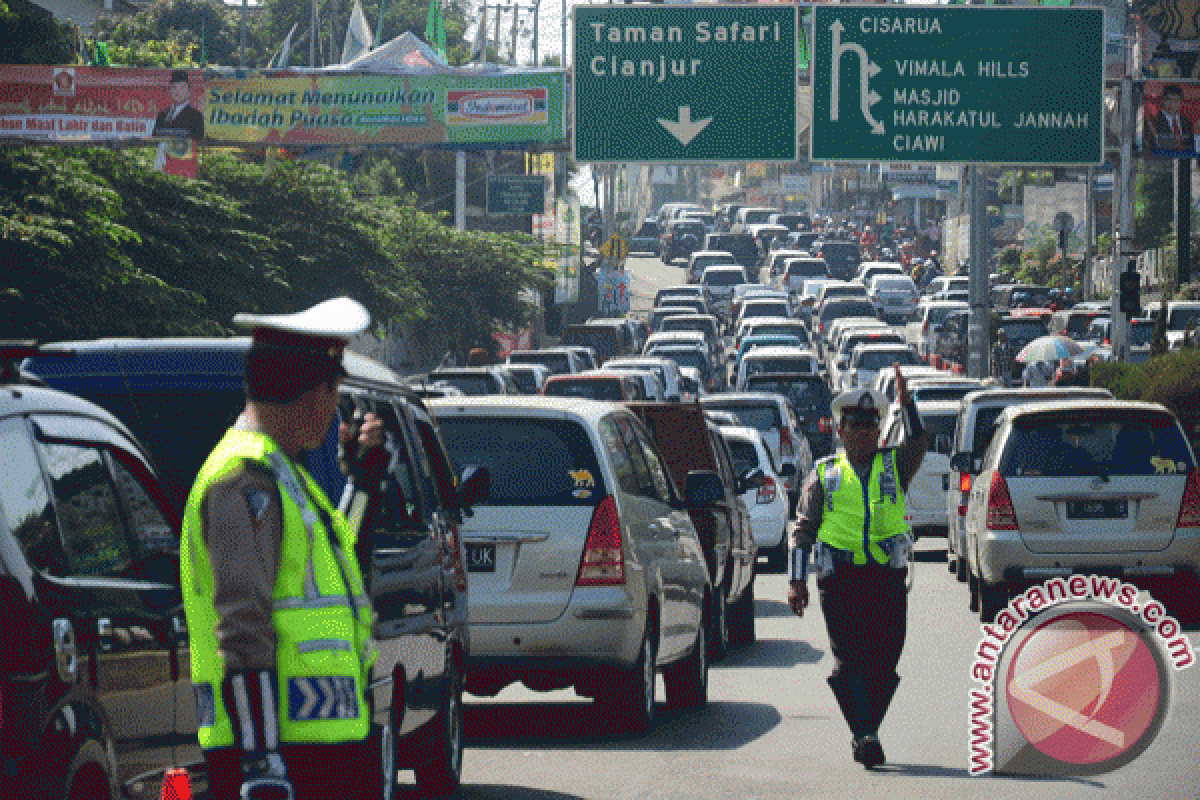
{"x":1038,"y":374}
{"x":862,"y":556}
{"x":1002,"y":356}
{"x":276,"y":606}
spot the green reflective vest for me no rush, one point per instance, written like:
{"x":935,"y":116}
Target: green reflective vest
{"x":321,"y":611}
{"x":857,"y":518}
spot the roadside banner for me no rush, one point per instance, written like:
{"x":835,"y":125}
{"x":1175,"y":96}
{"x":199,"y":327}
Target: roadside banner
{"x":359,"y":109}
{"x":1169,"y":114}
{"x":67,"y":104}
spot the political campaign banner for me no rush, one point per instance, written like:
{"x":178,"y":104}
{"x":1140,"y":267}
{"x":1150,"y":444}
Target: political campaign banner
{"x":73,"y":105}
{"x":1169,"y":113}
{"x":358,"y":109}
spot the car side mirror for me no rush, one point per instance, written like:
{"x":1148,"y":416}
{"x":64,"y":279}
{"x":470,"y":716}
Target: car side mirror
{"x":703,"y":489}
{"x":752,"y":478}
{"x":475,"y":486}
{"x":960,"y":462}
{"x":787,"y":470}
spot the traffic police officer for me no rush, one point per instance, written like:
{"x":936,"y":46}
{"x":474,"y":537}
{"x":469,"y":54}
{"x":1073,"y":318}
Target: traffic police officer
{"x":276,"y":607}
{"x":852,"y":511}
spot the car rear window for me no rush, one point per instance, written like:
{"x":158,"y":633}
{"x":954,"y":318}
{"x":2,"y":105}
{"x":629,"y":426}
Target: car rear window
{"x":778,"y":364}
{"x":765,"y":310}
{"x":1077,"y":324}
{"x":1141,"y":334}
{"x":745,"y":455}
{"x":926,"y":394}
{"x":724,"y":277}
{"x":937,"y":314}
{"x":806,"y":267}
{"x":557,"y":363}
{"x":1080,"y":443}
{"x":524,"y":380}
{"x":698,"y":324}
{"x":591,"y":388}
{"x":839,"y":310}
{"x":760,"y":416}
{"x":1025,"y":331}
{"x":605,"y":340}
{"x":684,"y":358}
{"x":939,"y":425}
{"x":469,"y":384}
{"x":840,"y":250}
{"x":531,"y":461}
{"x":895,"y":285}
{"x":1181,"y":318}
{"x":875,"y":360}
{"x":803,"y":394}
{"x":798,"y":331}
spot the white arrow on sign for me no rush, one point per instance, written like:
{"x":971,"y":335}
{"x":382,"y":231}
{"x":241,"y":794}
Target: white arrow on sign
{"x":685,"y":130}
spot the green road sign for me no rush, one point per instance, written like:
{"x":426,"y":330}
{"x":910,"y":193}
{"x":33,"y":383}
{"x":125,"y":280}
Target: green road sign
{"x":664,"y":83}
{"x":958,"y":84}
{"x":516,"y":194}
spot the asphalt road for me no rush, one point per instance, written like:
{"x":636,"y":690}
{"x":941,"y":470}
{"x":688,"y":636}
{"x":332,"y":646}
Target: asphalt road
{"x":772,"y":728}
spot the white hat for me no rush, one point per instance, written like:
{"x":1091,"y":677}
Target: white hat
{"x":858,"y":400}
{"x":323,"y":330}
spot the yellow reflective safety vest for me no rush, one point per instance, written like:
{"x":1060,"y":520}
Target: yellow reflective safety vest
{"x":322,"y":614}
{"x":857,"y":518}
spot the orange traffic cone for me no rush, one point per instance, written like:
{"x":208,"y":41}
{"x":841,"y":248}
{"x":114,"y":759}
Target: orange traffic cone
{"x":176,"y":785}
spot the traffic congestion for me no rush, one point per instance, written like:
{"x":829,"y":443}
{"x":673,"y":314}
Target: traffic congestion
{"x":596,"y":517}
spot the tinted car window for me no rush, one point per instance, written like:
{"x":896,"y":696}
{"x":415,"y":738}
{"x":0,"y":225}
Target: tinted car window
{"x":605,"y":340}
{"x":874,"y":360}
{"x":782,"y":364}
{"x":939,"y":425}
{"x":556,"y":362}
{"x":469,"y":384}
{"x":838,"y":310}
{"x":759,"y":417}
{"x":1181,"y":318}
{"x":92,"y":532}
{"x":798,"y":331}
{"x":1077,"y":325}
{"x":705,"y":326}
{"x":1141,"y":334}
{"x":926,"y":394}
{"x":152,"y":532}
{"x":803,"y":394}
{"x":531,"y":461}
{"x":745,"y":456}
{"x":724,"y":277}
{"x":591,"y":388}
{"x":25,"y":500}
{"x":685,"y":358}
{"x":764,"y":310}
{"x":622,"y":463}
{"x":937,"y":314}
{"x":524,"y":381}
{"x":1083,"y":444}
{"x":807,"y":267}
{"x":1024,"y":331}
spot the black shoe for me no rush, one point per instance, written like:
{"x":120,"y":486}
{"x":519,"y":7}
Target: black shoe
{"x":856,"y":749}
{"x":871,"y":752}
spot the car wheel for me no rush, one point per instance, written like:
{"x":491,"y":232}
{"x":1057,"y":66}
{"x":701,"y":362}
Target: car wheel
{"x":960,"y":569}
{"x":629,"y":699}
{"x":687,"y":679}
{"x":718,"y":629}
{"x":86,"y":777}
{"x":741,"y":618}
{"x":992,"y":599}
{"x":438,"y":767}
{"x":972,"y":592}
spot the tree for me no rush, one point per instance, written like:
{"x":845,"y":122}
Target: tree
{"x":205,"y":31}
{"x":1154,"y":203}
{"x":29,"y":34}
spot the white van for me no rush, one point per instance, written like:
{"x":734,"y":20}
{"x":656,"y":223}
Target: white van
{"x":925,"y":499}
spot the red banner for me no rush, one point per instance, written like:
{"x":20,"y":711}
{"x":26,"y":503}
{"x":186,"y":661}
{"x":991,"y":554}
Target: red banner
{"x":96,"y":104}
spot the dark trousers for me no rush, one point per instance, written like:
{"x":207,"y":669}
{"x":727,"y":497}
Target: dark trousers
{"x":865,"y":610}
{"x":344,"y":771}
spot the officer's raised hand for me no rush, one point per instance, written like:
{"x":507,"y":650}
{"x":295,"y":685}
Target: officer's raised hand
{"x":901,"y":387}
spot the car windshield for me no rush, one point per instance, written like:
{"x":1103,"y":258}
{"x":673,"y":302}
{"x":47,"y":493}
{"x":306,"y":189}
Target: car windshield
{"x":559,"y":452}
{"x":1181,"y":318}
{"x":878,"y":359}
{"x":684,"y":358}
{"x":894,"y":285}
{"x":762,"y":417}
{"x":696,"y":229}
{"x":699,"y":324}
{"x":779,"y":364}
{"x":648,"y":230}
{"x":1078,"y":324}
{"x":592,"y":388}
{"x":468,"y":384}
{"x":795,"y":331}
{"x":1101,"y":444}
{"x":802,"y":394}
{"x":938,"y":314}
{"x":724,"y":277}
{"x":759,"y":217}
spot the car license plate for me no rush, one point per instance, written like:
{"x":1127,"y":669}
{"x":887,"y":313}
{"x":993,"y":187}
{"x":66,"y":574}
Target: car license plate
{"x":1097,"y":509}
{"x":481,"y":558}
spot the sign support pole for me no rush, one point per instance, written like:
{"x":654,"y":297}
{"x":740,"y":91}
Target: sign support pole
{"x":977,"y":287}
{"x":1183,"y":220}
{"x":460,"y":190}
{"x":1120,"y":322}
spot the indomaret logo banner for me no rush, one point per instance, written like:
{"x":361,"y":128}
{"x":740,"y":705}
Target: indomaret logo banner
{"x":299,"y":108}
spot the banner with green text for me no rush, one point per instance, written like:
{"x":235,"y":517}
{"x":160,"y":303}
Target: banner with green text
{"x":348,"y":110}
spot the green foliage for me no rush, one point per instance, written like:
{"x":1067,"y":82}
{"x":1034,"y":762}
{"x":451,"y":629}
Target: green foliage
{"x":164,"y":53}
{"x":1155,"y":209}
{"x":1172,"y":379}
{"x":110,"y":247}
{"x":1009,"y":258}
{"x":180,"y":33}
{"x":29,"y":34}
{"x":1104,"y":243}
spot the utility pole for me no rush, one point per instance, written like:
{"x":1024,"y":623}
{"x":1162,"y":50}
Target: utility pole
{"x":1125,"y":248}
{"x":312,"y":37}
{"x":977,"y":285}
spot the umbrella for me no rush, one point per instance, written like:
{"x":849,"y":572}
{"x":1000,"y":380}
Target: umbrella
{"x":1053,"y":348}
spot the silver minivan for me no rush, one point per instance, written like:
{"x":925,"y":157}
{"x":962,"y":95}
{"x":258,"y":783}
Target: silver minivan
{"x":1097,"y":486}
{"x":585,"y":569}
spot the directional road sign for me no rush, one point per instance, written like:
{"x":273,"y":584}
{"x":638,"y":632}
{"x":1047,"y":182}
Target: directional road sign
{"x":615,"y":249}
{"x":958,"y":84}
{"x":516,"y":194}
{"x":659,"y":83}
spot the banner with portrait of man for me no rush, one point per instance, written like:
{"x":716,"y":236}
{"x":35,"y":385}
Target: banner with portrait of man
{"x":1168,"y":113}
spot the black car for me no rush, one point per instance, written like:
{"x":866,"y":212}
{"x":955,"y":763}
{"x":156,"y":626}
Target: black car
{"x":1019,"y":331}
{"x":743,"y":246}
{"x":681,"y":239}
{"x":843,"y":258}
{"x":811,"y":400}
{"x":952,"y":338}
{"x":179,"y":396}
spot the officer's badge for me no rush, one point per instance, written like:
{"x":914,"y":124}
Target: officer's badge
{"x":258,"y":502}
{"x":887,"y":480}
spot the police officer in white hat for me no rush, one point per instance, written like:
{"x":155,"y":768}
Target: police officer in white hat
{"x":278,"y":617}
{"x":851,"y":516}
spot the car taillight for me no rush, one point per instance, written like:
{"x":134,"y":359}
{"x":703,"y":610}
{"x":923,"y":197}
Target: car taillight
{"x":1105,"y":341}
{"x":964,"y":481}
{"x":766,"y":492}
{"x":603,"y":562}
{"x":460,"y":569}
{"x":1000,"y":513}
{"x":786,"y":447}
{"x":1189,"y":507}
{"x":825,"y":425}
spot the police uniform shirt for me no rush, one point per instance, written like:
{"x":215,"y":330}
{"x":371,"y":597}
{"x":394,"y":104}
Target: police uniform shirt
{"x":811,"y":507}
{"x":243,"y":532}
